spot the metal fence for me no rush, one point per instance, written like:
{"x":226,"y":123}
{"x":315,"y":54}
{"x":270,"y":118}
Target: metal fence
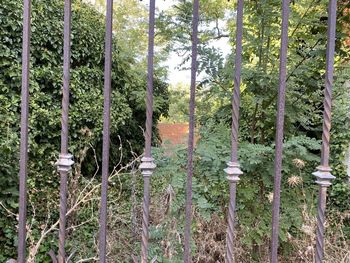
{"x":233,"y":171}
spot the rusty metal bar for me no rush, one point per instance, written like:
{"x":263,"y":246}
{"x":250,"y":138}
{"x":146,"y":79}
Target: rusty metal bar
{"x":145,"y":216}
{"x":237,"y":83}
{"x":323,"y":173}
{"x":322,"y":198}
{"x":106,"y":131}
{"x":149,"y":99}
{"x":21,"y":257}
{"x":147,"y":165}
{"x":187,"y":241}
{"x":233,"y":170}
{"x":231,"y":217}
{"x":332,"y":16}
{"x":65,"y":161}
{"x":279,"y":132}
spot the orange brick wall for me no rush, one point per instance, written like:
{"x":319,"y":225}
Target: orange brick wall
{"x":175,"y":133}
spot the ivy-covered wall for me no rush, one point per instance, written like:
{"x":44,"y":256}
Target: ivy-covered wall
{"x":86,"y":102}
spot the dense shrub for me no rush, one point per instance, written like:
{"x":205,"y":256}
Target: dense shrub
{"x":86,"y":101}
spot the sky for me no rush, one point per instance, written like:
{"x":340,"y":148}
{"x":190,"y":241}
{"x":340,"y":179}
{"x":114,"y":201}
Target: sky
{"x":164,"y":4}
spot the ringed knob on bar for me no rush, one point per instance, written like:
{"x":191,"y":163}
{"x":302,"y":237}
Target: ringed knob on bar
{"x":324,"y":176}
{"x":64,"y":162}
{"x":147,"y":166}
{"x":233,"y":171}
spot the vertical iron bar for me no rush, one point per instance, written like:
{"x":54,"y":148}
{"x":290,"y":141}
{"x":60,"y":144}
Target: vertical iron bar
{"x":332,"y":16}
{"x":150,"y":58}
{"x":237,"y":82}
{"x":279,"y":132}
{"x":147,"y":165}
{"x":63,"y":211}
{"x":145,"y":219}
{"x":323,"y":173}
{"x":231,"y":223}
{"x":233,"y":170}
{"x":66,"y":75}
{"x":64,"y":162}
{"x":24,"y":133}
{"x":187,"y":241}
{"x":106,"y":131}
{"x":322,"y":198}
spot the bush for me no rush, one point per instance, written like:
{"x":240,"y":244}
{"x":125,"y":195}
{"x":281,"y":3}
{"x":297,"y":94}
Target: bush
{"x":210,"y":193}
{"x":86,"y":101}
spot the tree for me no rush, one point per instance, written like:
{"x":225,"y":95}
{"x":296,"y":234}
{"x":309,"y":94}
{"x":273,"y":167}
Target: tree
{"x":86,"y":101}
{"x":304,"y":106}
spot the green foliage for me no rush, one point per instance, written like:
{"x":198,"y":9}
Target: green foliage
{"x":178,"y":104}
{"x":303,"y":115}
{"x":261,"y":41}
{"x":303,"y":124}
{"x":340,"y":140}
{"x":130,"y":19}
{"x":86,"y":102}
{"x":210,"y":193}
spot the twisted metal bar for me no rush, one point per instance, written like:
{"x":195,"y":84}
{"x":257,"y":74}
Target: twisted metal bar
{"x":24,"y":133}
{"x":332,"y":16}
{"x":64,"y":162}
{"x":150,"y":62}
{"x":187,"y":241}
{"x":106,"y":132}
{"x":147,"y":165}
{"x":237,"y":83}
{"x":231,"y":222}
{"x":64,"y":165}
{"x":323,"y":173}
{"x":66,"y":75}
{"x":145,"y":220}
{"x":63,"y":211}
{"x":322,"y":197}
{"x":279,"y":132}
{"x":233,"y":170}
{"x":324,"y":177}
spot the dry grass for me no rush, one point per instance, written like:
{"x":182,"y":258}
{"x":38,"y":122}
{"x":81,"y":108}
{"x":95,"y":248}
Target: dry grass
{"x":210,"y":237}
{"x":210,"y":241}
